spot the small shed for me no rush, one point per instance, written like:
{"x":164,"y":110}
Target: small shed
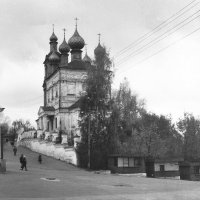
{"x":166,"y":167}
{"x":189,"y":170}
{"x":126,"y":164}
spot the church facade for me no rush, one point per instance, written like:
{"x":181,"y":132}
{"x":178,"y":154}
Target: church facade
{"x":63,"y":85}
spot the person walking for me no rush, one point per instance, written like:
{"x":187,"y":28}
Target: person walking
{"x":15,"y":150}
{"x":40,"y":158}
{"x":21,"y":160}
{"x":24,"y":163}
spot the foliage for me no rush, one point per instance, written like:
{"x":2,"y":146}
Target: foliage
{"x":4,"y":124}
{"x":138,"y":132}
{"x":127,"y":111}
{"x":94,"y":108}
{"x":130,"y":129}
{"x":190,"y":129}
{"x":159,"y":135}
{"x":18,"y":125}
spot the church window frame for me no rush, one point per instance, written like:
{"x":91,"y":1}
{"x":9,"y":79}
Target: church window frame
{"x":52,"y":94}
{"x":71,"y":89}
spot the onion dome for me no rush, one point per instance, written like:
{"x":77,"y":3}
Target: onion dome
{"x":64,"y":47}
{"x":99,"y":50}
{"x":54,"y":57}
{"x":87,"y":58}
{"x":76,"y":41}
{"x":53,"y":37}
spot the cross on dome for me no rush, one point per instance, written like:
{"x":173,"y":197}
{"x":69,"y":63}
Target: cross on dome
{"x":53,"y":37}
{"x":64,"y":32}
{"x":86,"y":59}
{"x":64,"y":47}
{"x":99,"y":34}
{"x":99,"y":50}
{"x":76,"y":41}
{"x":76,"y":19}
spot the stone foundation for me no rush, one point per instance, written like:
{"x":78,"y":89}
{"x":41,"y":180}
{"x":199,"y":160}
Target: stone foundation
{"x":58,"y":151}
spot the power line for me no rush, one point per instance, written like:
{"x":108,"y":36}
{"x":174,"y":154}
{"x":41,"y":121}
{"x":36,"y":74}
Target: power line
{"x":142,"y":38}
{"x":163,"y":49}
{"x":155,"y":40}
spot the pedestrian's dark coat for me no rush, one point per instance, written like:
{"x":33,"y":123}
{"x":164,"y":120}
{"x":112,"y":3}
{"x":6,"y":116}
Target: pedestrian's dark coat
{"x":15,"y":150}
{"x":24,"y":162}
{"x":21,"y":158}
{"x":40,"y":159}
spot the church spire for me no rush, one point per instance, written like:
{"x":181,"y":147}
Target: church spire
{"x":64,"y":32}
{"x":76,"y":43}
{"x":53,"y":41}
{"x":99,"y":34}
{"x":99,"y":50}
{"x":64,"y":47}
{"x":64,"y":50}
{"x":86,"y":58}
{"x":53,"y":58}
{"x":76,"y":19}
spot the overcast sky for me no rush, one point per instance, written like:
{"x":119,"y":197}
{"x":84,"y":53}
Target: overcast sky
{"x":169,"y":81}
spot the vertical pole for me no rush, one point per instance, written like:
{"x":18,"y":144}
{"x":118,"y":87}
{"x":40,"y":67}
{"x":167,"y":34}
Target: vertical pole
{"x":60,"y":132}
{"x":1,"y":143}
{"x":89,"y":143}
{"x":1,"y":136}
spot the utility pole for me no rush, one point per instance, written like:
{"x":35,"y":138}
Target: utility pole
{"x":89,"y":142}
{"x":1,"y":133}
{"x":2,"y":161}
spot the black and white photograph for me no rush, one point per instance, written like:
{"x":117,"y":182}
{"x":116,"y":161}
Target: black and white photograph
{"x":100,"y":99}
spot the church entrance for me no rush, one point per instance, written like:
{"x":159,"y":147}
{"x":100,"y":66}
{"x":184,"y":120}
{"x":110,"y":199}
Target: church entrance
{"x":50,"y":123}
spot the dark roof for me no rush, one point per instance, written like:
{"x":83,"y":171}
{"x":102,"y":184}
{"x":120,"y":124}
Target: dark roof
{"x":48,"y":108}
{"x":126,"y":155}
{"x":47,"y":56}
{"x":168,"y":160}
{"x":74,"y":65}
{"x":75,"y":105}
{"x":77,"y":64}
{"x":189,"y":163}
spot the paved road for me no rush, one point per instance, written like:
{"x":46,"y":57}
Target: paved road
{"x":77,"y":184}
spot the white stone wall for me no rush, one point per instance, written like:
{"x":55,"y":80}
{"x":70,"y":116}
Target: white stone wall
{"x":54,"y":150}
{"x":65,"y":86}
{"x":71,"y":82}
{"x":168,"y":166}
{"x":28,"y":134}
{"x":52,"y":91}
{"x":71,"y":86}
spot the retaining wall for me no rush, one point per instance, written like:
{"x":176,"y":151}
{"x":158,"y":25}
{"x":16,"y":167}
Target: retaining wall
{"x":58,"y":151}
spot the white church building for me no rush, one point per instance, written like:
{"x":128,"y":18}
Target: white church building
{"x":63,"y":85}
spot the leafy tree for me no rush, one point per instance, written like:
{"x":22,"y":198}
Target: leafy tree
{"x":127,"y":110}
{"x":151,"y":135}
{"x":190,"y":129}
{"x":4,"y":124}
{"x":159,"y":137}
{"x":174,"y":145}
{"x":94,"y":109}
{"x":19,"y":125}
